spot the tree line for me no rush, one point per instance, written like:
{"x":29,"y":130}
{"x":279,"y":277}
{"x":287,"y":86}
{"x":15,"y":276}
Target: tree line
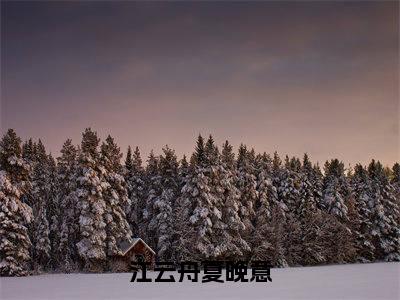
{"x":71,"y":213}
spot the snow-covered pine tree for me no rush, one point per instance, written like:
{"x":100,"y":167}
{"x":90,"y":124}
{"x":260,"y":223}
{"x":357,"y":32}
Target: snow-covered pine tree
{"x":90,"y":189}
{"x":310,"y":185}
{"x":126,"y":170}
{"x":41,"y":194}
{"x":221,"y":206}
{"x":228,"y":157}
{"x":39,"y":178}
{"x":54,"y":215}
{"x":364,"y":204}
{"x":317,"y":180}
{"x":181,"y":215}
{"x":276,"y":165}
{"x":28,"y":151}
{"x":15,"y":215}
{"x":289,"y":195}
{"x":11,"y":161}
{"x":163,"y":204}
{"x":153,"y":190}
{"x":336,"y":190}
{"x":128,"y":159}
{"x":67,"y":255}
{"x":197,"y":201}
{"x":229,"y":240}
{"x":278,"y":171}
{"x":115,"y":197}
{"x":276,"y":229}
{"x":183,"y":171}
{"x":247,"y":185}
{"x":276,"y":237}
{"x":28,"y":155}
{"x":335,"y":201}
{"x":309,"y":215}
{"x":15,"y":242}
{"x":289,"y":187}
{"x":211,"y":152}
{"x":267,"y":196}
{"x":134,"y":177}
{"x":386,"y":214}
{"x":251,"y":156}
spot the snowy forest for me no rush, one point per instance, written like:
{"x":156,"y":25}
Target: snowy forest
{"x":68,"y":214}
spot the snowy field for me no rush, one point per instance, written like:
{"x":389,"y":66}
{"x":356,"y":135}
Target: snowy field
{"x":367,"y":281}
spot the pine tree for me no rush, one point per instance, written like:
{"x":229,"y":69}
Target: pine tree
{"x":247,"y":185}
{"x":311,"y":185}
{"x":267,"y":196}
{"x":184,"y":170}
{"x":230,"y":236}
{"x":385,"y":215}
{"x":29,"y":156}
{"x":89,"y":193}
{"x":275,"y":231}
{"x":11,"y":160}
{"x":309,"y":216}
{"x":210,"y":202}
{"x":41,"y":199}
{"x":53,"y":210}
{"x":115,"y":197}
{"x":199,"y":157}
{"x":364,"y":203}
{"x":278,"y":171}
{"x":67,"y":254}
{"x":128,"y":159}
{"x":28,"y":151}
{"x":228,"y":157}
{"x":15,"y":215}
{"x":134,"y":177}
{"x":153,"y":190}
{"x":163,"y":203}
{"x":289,"y":187}
{"x":317,"y":180}
{"x":181,"y":214}
{"x":198,"y":197}
{"x":336,"y":190}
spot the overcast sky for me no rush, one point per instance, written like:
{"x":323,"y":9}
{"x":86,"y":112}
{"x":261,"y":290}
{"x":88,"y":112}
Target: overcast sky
{"x":316,"y":77}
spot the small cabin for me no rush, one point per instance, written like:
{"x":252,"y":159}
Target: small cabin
{"x":132,"y":253}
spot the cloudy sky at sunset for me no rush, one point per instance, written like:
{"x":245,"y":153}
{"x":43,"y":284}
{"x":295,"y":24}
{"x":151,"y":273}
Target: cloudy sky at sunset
{"x":316,"y":77}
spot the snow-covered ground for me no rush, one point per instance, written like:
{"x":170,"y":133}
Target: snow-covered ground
{"x":367,"y":281}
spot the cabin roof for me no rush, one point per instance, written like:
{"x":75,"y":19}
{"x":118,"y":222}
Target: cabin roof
{"x":126,"y":246}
